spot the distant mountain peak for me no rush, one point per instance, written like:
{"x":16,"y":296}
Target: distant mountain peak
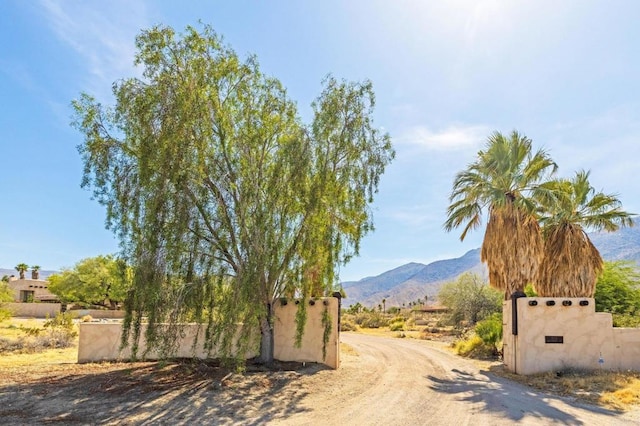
{"x":414,"y":280}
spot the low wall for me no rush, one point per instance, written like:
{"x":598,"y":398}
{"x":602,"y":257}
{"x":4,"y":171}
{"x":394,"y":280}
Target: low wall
{"x":313,"y":347}
{"x":560,"y":333}
{"x":101,"y":341}
{"x":98,"y":313}
{"x":33,"y":310}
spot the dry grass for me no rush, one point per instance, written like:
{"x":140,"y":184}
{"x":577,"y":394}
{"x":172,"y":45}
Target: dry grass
{"x":40,"y":359}
{"x":13,"y":329}
{"x":614,"y":390}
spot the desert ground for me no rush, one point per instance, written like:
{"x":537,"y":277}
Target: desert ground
{"x":381,"y":381}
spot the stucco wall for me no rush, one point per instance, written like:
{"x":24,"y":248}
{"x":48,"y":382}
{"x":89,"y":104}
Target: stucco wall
{"x":101,"y":341}
{"x":311,"y":349}
{"x":566,"y":335}
{"x":33,"y":310}
{"x":38,"y":287}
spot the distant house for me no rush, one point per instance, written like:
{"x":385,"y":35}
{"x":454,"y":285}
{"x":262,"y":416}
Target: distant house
{"x":432,"y":309}
{"x":30,"y":290}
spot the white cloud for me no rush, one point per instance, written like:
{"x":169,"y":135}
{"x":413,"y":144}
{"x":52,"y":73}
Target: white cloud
{"x":449,"y":139}
{"x":104,"y":37}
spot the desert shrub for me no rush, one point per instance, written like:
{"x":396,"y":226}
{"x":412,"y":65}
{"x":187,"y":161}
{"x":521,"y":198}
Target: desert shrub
{"x":57,"y":332}
{"x":370,"y":320}
{"x":87,"y":318}
{"x":625,"y":320}
{"x":473,"y":347}
{"x":347,"y":325}
{"x":490,"y":331}
{"x":396,"y":326}
{"x":60,"y":330}
{"x":5,"y":314}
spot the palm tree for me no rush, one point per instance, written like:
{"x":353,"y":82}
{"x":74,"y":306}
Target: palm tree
{"x":501,"y":183}
{"x":384,"y":306}
{"x":21,"y":268}
{"x":35,"y":272}
{"x":571,"y":263}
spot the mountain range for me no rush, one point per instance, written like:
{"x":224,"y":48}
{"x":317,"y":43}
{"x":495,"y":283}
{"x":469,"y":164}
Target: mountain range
{"x":413,"y":281}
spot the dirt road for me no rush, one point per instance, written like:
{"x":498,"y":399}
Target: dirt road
{"x":402,"y":382}
{"x":381,"y":381}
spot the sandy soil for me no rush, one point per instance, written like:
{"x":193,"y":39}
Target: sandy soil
{"x":381,"y":381}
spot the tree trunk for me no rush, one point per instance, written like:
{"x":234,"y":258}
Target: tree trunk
{"x":266,"y":339}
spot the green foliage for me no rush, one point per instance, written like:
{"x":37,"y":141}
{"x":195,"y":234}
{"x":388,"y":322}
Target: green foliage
{"x":370,"y":319}
{"x":396,"y":326}
{"x":100,"y":280}
{"x":326,"y":324}
{"x":490,"y":330}
{"x":21,"y":268}
{"x":355,"y":309}
{"x":5,"y":314}
{"x":222,"y":198}
{"x":530,"y":291}
{"x":469,"y":299}
{"x":6,"y":294}
{"x":473,"y":347}
{"x":626,"y":320}
{"x":618,"y":289}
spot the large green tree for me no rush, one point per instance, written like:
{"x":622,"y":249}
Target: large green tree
{"x":100,"y":280}
{"x":222,"y":198}
{"x":469,"y":299}
{"x":618,"y":288}
{"x":571,"y":263}
{"x":501,"y":183}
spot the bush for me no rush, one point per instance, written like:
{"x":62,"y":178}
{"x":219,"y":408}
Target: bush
{"x":87,"y":318}
{"x":628,"y":321}
{"x":473,"y":348}
{"x":490,"y":331}
{"x":370,"y":320}
{"x":396,"y":326}
{"x":5,"y":314}
{"x":61,"y":330}
{"x":469,"y":299}
{"x":57,"y":332}
{"x":347,"y":325}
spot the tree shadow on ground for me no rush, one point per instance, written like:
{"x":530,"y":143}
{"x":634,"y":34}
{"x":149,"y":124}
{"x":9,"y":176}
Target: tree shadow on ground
{"x":511,"y":400}
{"x":159,"y":393}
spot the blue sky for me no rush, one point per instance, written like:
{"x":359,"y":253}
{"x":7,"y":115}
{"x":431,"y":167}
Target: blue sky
{"x":446,"y":74}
